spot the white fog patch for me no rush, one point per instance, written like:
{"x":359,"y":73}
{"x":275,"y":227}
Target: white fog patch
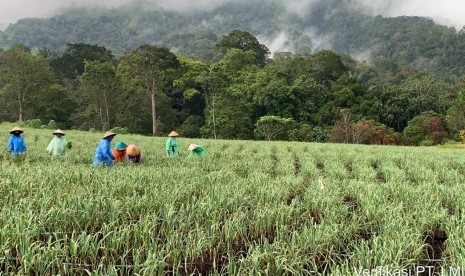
{"x":281,"y":43}
{"x":299,"y":7}
{"x":363,"y":56}
{"x":319,"y":41}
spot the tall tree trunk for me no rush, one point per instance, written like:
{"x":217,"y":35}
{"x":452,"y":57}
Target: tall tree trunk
{"x":102,"y":121}
{"x":20,"y":99}
{"x":154,"y":112}
{"x":107,"y":111}
{"x":214,"y":118}
{"x":20,"y":110}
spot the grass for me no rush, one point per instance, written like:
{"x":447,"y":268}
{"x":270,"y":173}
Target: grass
{"x":248,"y":207}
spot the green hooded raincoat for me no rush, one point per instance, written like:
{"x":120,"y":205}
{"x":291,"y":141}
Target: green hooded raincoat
{"x":57,"y":146}
{"x":172,"y":147}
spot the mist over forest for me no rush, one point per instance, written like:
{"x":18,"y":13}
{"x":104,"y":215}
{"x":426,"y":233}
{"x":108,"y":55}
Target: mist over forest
{"x":192,"y":28}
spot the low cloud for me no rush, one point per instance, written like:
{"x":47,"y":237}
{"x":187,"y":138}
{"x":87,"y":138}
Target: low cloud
{"x":281,"y":43}
{"x":446,"y":12}
{"x":13,"y":10}
{"x":300,"y":7}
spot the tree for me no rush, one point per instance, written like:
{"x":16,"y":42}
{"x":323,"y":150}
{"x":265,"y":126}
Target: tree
{"x":151,"y":68}
{"x":394,"y":108}
{"x":362,"y":132}
{"x":21,"y":76}
{"x":191,"y":127}
{"x":350,"y":94}
{"x":456,"y":113}
{"x":101,"y":86}
{"x":190,"y":87}
{"x":343,"y":130}
{"x":327,"y":67}
{"x":212,"y":84}
{"x":71,"y":63}
{"x":374,"y":133}
{"x":284,"y":88}
{"x":414,"y":95}
{"x":53,"y":103}
{"x":246,"y":42}
{"x":462,"y":135}
{"x":273,"y":127}
{"x":426,"y":92}
{"x":302,"y":132}
{"x":426,"y":129}
{"x":228,"y":105}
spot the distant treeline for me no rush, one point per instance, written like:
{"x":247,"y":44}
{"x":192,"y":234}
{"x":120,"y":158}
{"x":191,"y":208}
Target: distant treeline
{"x":321,"y":96}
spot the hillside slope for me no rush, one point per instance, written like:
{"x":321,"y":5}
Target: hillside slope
{"x":331,"y":25}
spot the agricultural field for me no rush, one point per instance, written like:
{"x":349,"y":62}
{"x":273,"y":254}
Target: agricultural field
{"x":247,"y":208}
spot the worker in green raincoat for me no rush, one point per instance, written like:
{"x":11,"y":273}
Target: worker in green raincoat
{"x":196,"y":150}
{"x":172,"y":144}
{"x":58,"y":145}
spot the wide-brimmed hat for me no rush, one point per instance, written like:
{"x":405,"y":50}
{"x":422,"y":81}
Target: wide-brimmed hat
{"x":59,"y":131}
{"x":16,"y":129}
{"x":120,"y":145}
{"x":132,"y":150}
{"x":192,"y":147}
{"x":108,"y":134}
{"x":173,"y":134}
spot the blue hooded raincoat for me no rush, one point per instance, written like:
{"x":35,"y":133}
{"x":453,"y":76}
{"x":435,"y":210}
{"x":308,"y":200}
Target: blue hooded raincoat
{"x":16,"y":145}
{"x":103,"y":153}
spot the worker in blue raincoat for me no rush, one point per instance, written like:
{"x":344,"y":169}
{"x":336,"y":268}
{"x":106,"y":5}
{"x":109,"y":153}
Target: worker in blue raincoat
{"x":16,"y":143}
{"x":103,"y":154}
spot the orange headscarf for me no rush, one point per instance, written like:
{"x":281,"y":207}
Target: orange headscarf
{"x":120,"y":155}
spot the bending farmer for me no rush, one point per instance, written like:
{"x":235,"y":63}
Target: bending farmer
{"x":103,"y":154}
{"x":196,"y":150}
{"x":133,"y":153}
{"x":119,"y":151}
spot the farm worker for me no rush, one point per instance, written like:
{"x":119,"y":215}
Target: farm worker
{"x":57,"y":147}
{"x":196,"y":150}
{"x":172,"y":144}
{"x":119,"y":151}
{"x":103,"y":154}
{"x":16,"y":143}
{"x":133,"y":153}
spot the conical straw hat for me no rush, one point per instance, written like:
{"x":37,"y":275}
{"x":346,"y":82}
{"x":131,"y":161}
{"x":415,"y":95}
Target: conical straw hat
{"x":59,"y":131}
{"x":192,"y":147}
{"x":132,"y":150}
{"x":16,"y":129}
{"x":173,"y":134}
{"x":108,"y":134}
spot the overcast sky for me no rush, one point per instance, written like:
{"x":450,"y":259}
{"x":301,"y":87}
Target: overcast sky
{"x":446,"y":12}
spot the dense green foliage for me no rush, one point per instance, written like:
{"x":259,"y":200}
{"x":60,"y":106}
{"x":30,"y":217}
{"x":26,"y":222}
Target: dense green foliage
{"x":247,"y":208}
{"x":209,"y":75}
{"x":426,"y":129}
{"x":328,"y":97}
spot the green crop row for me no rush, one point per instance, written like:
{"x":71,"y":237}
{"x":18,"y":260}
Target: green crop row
{"x":248,"y":207}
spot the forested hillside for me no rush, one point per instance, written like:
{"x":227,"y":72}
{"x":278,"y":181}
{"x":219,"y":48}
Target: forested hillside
{"x":209,"y":74}
{"x":330,"y":25}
